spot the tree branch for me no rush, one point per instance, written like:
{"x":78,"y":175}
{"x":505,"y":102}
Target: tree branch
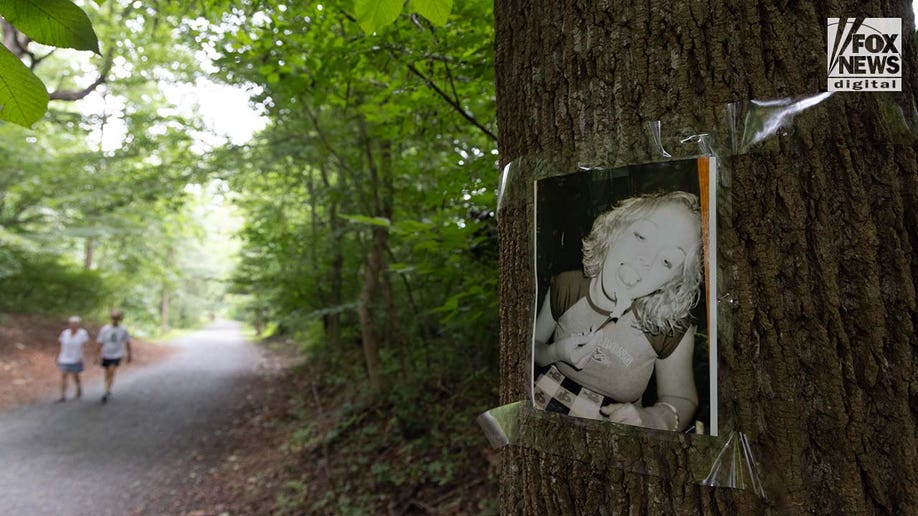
{"x":72,"y":95}
{"x":342,"y":162}
{"x":430,"y":84}
{"x":15,"y":41}
{"x":314,"y":118}
{"x":371,"y":165}
{"x":452,"y":83}
{"x":37,"y":60}
{"x":451,"y":101}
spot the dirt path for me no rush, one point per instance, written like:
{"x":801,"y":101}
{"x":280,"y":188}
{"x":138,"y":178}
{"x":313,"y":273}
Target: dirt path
{"x":87,"y":458}
{"x":28,"y":359}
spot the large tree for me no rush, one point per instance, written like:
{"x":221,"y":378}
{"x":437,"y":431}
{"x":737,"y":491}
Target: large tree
{"x":820,"y":370}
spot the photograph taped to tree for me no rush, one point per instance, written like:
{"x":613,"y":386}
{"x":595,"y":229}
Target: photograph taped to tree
{"x":626,"y":328}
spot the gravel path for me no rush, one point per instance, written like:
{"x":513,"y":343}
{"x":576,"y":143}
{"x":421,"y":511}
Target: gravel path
{"x":86,"y":458}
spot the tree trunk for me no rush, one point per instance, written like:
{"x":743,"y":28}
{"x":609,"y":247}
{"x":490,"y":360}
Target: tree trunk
{"x":368,"y":296}
{"x":336,"y":271}
{"x":818,"y":369}
{"x":394,"y":336}
{"x":259,"y":321}
{"x":335,"y":277}
{"x":375,"y":264}
{"x":164,"y":305}
{"x":164,"y":310}
{"x":13,"y":40}
{"x":88,"y":253}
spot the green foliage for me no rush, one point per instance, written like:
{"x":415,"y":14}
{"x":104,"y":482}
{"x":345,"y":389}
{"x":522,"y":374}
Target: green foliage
{"x":416,"y":441}
{"x":60,"y":23}
{"x":39,"y":283}
{"x":139,"y":207}
{"x":373,"y":15}
{"x":366,"y":145}
{"x":437,"y":11}
{"x":365,"y":207}
{"x":336,"y":96}
{"x":23,"y":98}
{"x":57,"y":23}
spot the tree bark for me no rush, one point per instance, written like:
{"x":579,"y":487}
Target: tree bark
{"x":394,"y":336}
{"x":336,"y":271}
{"x":368,"y":296}
{"x":15,"y":41}
{"x":164,"y":305}
{"x":819,"y":366}
{"x":259,"y":321}
{"x":375,"y":263}
{"x":336,"y":280}
{"x":89,"y":253}
{"x":164,"y":310}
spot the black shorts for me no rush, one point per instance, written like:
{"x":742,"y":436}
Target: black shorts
{"x":111,"y":362}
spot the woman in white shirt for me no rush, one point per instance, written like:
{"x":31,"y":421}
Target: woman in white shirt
{"x":70,"y":359}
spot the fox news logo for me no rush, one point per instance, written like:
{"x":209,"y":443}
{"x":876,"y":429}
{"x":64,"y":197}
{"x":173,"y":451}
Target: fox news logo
{"x":864,"y":54}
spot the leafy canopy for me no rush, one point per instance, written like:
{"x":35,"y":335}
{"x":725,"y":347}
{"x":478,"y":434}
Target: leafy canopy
{"x":60,"y":23}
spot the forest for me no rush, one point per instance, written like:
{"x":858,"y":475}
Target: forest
{"x":297,"y":208}
{"x":353,"y":221}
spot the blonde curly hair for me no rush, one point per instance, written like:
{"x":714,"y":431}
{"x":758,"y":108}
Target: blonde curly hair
{"x":667,"y":309}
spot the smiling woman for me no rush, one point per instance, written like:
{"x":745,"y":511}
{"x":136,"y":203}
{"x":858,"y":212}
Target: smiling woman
{"x":638,"y":249}
{"x":616,"y":338}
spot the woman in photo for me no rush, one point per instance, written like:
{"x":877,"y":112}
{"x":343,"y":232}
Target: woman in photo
{"x":70,"y":359}
{"x":603,"y":331}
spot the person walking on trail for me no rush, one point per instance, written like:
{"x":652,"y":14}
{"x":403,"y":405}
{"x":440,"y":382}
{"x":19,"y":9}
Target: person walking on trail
{"x":70,"y":359}
{"x":114,"y":340}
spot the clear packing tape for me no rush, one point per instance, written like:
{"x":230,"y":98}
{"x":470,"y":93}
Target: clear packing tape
{"x":713,"y":461}
{"x":734,"y":129}
{"x":725,"y":460}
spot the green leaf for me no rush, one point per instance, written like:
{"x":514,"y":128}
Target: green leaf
{"x":373,"y":15}
{"x":437,"y":11}
{"x":23,"y":97}
{"x":58,"y":23}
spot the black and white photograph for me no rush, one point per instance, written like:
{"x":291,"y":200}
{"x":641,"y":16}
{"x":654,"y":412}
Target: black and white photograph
{"x":624,"y":330}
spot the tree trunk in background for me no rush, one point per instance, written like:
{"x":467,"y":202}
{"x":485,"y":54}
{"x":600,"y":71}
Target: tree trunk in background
{"x":335,"y":277}
{"x":335,"y":273}
{"x":820,"y":371}
{"x":164,"y":299}
{"x":368,"y":296}
{"x":375,"y":263}
{"x":392,"y":327}
{"x":367,"y":302}
{"x":164,"y":310}
{"x":259,"y":321}
{"x":88,"y":252}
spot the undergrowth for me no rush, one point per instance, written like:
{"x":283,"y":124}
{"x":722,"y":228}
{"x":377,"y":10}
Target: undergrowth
{"x":413,"y":448}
